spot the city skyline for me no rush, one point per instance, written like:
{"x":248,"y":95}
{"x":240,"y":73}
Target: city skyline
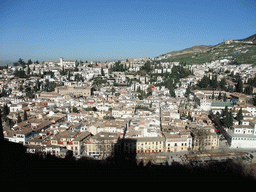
{"x":112,"y":30}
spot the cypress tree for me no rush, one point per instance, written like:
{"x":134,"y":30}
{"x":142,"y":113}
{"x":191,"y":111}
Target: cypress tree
{"x":225,"y":97}
{"x":219,"y":96}
{"x":19,"y":119}
{"x":25,"y":117}
{"x":230,"y":119}
{"x":239,"y":115}
{"x":5,"y":110}
{"x":239,"y":85}
{"x":225,"y":113}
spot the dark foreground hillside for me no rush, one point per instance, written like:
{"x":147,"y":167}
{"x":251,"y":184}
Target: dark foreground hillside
{"x":18,"y":166}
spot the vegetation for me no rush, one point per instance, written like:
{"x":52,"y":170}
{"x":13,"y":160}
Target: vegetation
{"x":239,"y":85}
{"x":212,"y":83}
{"x":239,"y":115}
{"x":228,"y":119}
{"x":142,"y":107}
{"x":119,"y":67}
{"x":238,"y":52}
{"x":171,"y":79}
{"x":99,"y":81}
{"x":146,"y":67}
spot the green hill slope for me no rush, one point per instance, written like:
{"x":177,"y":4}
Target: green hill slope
{"x":242,"y":53}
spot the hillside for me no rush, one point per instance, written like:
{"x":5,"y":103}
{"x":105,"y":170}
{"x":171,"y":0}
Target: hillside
{"x":252,"y":37}
{"x":197,"y":48}
{"x":237,"y":51}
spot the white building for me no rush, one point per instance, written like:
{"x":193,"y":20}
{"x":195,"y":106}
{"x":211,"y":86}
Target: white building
{"x":180,"y":92}
{"x":16,"y":107}
{"x":242,"y":136}
{"x":68,"y":63}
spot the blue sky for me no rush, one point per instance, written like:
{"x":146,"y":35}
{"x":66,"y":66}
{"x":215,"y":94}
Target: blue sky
{"x":116,"y":29}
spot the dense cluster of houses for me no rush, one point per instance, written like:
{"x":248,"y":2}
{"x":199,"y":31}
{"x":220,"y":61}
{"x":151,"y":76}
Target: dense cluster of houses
{"x":98,"y":121}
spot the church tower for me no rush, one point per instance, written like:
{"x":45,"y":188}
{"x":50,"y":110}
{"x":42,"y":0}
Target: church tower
{"x":61,"y":61}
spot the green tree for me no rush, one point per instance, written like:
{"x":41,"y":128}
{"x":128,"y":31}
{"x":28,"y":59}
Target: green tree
{"x":28,"y":69}
{"x":69,"y":76}
{"x":29,"y":62}
{"x":138,"y":89}
{"x":225,"y":97}
{"x":146,"y":67}
{"x":21,"y":62}
{"x":20,"y":88}
{"x":113,"y":90}
{"x":102,"y":72}
{"x":3,"y":93}
{"x":25,"y":117}
{"x":214,"y":82}
{"x":223,"y":83}
{"x":239,"y":85}
{"x":205,"y":82}
{"x":19,"y":118}
{"x":29,"y":92}
{"x":63,"y":71}
{"x":248,"y":90}
{"x":228,"y":120}
{"x":225,"y":112}
{"x":38,"y":85}
{"x":20,"y":73}
{"x":188,"y":90}
{"x":239,"y":115}
{"x":75,"y":110}
{"x":6,"y":111}
{"x":219,"y":96}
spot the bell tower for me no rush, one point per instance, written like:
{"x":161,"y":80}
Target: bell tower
{"x":61,"y":61}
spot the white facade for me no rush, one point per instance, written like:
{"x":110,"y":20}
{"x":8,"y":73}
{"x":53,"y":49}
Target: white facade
{"x":72,"y":116}
{"x":180,"y":92}
{"x":14,"y":108}
{"x":17,"y":138}
{"x":242,"y":136}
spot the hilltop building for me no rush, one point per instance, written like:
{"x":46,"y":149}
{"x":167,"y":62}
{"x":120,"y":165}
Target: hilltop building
{"x":68,"y":63}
